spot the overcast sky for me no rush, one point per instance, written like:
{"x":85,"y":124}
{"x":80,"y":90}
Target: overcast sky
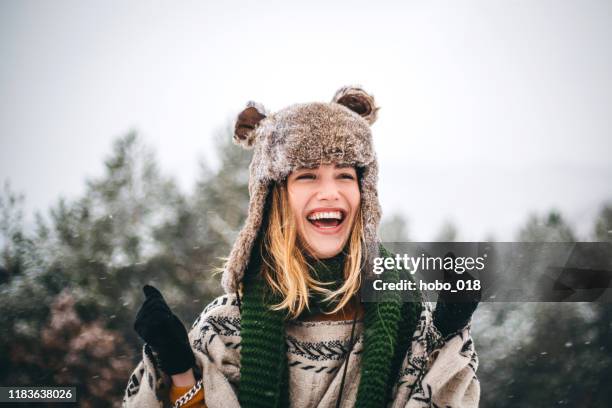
{"x":490,"y":109}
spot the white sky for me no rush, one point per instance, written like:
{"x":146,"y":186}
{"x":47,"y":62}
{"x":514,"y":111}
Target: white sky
{"x":490,"y":109}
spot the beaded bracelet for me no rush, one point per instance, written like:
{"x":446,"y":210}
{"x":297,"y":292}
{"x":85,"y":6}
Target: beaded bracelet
{"x":188,"y":396}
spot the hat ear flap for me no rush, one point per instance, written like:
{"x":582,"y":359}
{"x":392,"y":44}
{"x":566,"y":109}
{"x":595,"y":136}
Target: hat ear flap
{"x":246,"y":124}
{"x":359,"y":101}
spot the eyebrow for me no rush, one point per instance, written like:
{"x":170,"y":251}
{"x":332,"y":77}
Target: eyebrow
{"x":337,"y":166}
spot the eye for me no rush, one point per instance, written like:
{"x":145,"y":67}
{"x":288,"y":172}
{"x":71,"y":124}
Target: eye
{"x":347,"y":176}
{"x":306,"y":176}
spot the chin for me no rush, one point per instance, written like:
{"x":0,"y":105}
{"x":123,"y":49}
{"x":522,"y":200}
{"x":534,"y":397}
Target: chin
{"x":326,"y":251}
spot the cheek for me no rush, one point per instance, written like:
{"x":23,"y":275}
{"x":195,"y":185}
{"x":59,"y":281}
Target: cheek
{"x":296,"y":203}
{"x":354,"y":198}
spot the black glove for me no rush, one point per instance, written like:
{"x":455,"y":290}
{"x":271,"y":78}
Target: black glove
{"x":164,"y":333}
{"x":454,"y":309}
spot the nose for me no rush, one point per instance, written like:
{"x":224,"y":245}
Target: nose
{"x":328,"y":190}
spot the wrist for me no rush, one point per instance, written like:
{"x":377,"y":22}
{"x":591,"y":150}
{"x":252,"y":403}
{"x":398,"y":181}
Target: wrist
{"x":186,"y":379}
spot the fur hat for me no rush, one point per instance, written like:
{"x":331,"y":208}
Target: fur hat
{"x":305,"y":135}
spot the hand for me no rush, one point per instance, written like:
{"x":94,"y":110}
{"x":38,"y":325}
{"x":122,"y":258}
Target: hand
{"x":164,"y":333}
{"x":454,"y":309}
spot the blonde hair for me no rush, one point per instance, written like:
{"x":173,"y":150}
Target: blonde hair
{"x":285,"y":268}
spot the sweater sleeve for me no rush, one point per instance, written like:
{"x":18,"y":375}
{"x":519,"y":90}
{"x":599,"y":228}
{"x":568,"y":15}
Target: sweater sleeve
{"x":438,"y":370}
{"x":450,"y":380}
{"x":214,"y":339}
{"x":147,"y":386}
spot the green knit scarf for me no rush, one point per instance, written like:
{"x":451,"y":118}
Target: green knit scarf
{"x":389,"y":326}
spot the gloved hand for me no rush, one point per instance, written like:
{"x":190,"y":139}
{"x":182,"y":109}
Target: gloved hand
{"x":164,"y":333}
{"x":454,"y":309}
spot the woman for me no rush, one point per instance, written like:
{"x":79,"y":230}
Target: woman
{"x":291,"y":329}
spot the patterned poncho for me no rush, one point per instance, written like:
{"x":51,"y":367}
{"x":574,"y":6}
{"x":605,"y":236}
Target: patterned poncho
{"x":435,"y":372}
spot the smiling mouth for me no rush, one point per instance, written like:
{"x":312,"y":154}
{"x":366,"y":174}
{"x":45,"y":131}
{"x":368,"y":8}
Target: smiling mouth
{"x":327,"y":219}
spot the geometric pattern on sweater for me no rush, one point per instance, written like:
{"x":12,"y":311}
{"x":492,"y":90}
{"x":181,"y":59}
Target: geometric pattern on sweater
{"x":315,"y":351}
{"x":314,"y":368}
{"x":221,"y":301}
{"x":223,"y":325}
{"x":430,"y":339}
{"x":230,"y":327}
{"x":217,"y":302}
{"x":134,"y":384}
{"x":226,"y":326}
{"x":473,"y":364}
{"x":320,"y":350}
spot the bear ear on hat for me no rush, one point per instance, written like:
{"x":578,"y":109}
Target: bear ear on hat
{"x":246,"y":124}
{"x":359,"y":101}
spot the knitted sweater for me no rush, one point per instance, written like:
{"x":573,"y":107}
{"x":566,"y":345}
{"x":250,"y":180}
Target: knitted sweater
{"x":435,"y":371}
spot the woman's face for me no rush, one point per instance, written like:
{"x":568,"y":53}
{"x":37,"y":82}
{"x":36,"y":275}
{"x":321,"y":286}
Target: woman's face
{"x":324,"y":201}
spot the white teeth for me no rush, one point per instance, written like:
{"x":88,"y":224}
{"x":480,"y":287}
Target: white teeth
{"x":320,"y":215}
